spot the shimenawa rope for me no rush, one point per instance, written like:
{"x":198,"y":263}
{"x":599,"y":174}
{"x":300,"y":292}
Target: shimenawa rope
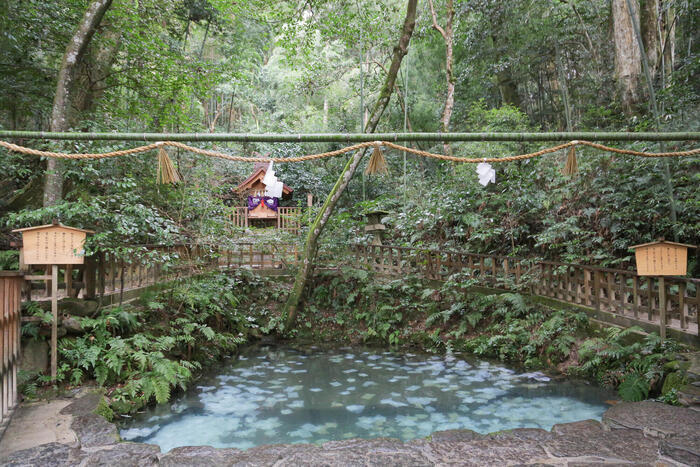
{"x":206,"y":152}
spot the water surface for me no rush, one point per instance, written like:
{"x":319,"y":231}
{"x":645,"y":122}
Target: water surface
{"x":273,"y":394}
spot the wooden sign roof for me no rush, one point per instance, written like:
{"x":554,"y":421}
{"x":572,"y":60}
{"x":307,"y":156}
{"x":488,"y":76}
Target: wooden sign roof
{"x":659,"y":242}
{"x":57,"y":224}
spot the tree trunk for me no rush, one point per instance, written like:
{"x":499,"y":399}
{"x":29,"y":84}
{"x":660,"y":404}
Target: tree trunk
{"x":75,"y":51}
{"x":628,"y":65}
{"x":649,"y":23}
{"x":309,"y":255}
{"x":668,"y":42}
{"x":91,"y":77}
{"x":448,"y":36}
{"x":507,"y":88}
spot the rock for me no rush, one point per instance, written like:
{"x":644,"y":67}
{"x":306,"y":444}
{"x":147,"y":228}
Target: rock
{"x":84,"y":404}
{"x":682,"y":448}
{"x":616,"y":446}
{"x":523,"y":434}
{"x":455,"y":435}
{"x":693,"y":371}
{"x":72,"y":325}
{"x":582,"y":428}
{"x":45,"y":455}
{"x":35,"y":355}
{"x":653,"y":418}
{"x":93,"y":430}
{"x":122,"y":455}
{"x":494,"y":449}
{"x":78,"y":306}
{"x":199,"y":456}
{"x":46,"y":331}
{"x":689,"y":395}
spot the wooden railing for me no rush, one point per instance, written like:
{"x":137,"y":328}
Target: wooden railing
{"x":10,"y":293}
{"x":239,"y":216}
{"x":109,"y":274}
{"x":288,"y":218}
{"x":615,"y":291}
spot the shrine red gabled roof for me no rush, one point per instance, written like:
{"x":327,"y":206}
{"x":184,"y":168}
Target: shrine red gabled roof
{"x":258,"y":173}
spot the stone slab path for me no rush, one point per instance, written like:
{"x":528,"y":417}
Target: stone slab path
{"x":38,"y":423}
{"x":641,"y":433}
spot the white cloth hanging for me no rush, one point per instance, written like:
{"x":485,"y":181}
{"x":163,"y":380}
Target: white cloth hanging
{"x":487,"y":174}
{"x":275,"y":190}
{"x":269,"y":177}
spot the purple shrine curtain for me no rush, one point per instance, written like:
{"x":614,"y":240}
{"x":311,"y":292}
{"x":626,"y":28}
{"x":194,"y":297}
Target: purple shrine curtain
{"x":270,"y":202}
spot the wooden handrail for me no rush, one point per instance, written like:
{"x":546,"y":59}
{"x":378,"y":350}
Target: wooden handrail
{"x":617,"y":291}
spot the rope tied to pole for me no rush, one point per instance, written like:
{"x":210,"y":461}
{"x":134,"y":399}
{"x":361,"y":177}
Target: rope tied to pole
{"x":377,"y":163}
{"x":354,"y":147}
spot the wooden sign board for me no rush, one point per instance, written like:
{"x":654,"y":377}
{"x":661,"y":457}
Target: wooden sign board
{"x":662,"y":258}
{"x":53,"y":244}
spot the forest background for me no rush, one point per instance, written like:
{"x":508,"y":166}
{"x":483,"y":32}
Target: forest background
{"x":318,"y":66}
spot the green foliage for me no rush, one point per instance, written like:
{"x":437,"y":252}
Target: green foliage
{"x":634,"y":388}
{"x":638,"y":368}
{"x":145,"y":354}
{"x":9,"y":260}
{"x":28,"y":384}
{"x":103,"y":409}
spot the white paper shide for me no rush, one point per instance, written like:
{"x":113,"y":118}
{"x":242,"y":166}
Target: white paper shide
{"x":273,"y":187}
{"x":487,"y":174}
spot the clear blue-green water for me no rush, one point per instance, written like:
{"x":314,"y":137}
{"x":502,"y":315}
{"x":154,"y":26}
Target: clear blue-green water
{"x":273,"y":394}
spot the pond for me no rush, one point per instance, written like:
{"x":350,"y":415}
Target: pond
{"x":279,"y":394}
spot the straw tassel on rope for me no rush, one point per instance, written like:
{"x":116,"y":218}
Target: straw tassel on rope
{"x":166,"y":170}
{"x":571,"y":167}
{"x":377,"y":163}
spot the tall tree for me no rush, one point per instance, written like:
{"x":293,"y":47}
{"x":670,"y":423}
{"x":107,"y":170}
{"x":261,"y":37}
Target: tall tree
{"x":447,"y":34}
{"x":628,"y":60}
{"x":316,"y":228}
{"x":66,"y":90}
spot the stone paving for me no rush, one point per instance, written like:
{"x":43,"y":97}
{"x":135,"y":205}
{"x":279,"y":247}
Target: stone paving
{"x":641,"y":433}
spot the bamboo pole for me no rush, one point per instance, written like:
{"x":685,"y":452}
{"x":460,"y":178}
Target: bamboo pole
{"x":355,"y":137}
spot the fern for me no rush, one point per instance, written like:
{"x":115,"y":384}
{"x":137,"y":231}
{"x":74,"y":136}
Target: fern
{"x":162,"y":390}
{"x":473,"y":318}
{"x":101,"y":374}
{"x":634,"y":388}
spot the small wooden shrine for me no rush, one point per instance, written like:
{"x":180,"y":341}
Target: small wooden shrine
{"x":261,"y":210}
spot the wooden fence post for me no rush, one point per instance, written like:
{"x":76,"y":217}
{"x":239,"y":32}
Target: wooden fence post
{"x":681,"y":305}
{"x":89,"y":272}
{"x":54,"y":321}
{"x":596,"y":289}
{"x":662,"y":307}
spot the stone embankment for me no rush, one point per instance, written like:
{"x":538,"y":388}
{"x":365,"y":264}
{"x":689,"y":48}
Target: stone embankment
{"x":641,"y":433}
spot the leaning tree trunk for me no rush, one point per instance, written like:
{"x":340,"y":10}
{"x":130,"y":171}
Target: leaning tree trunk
{"x":60,"y":121}
{"x":628,"y":60}
{"x":309,"y":255}
{"x":447,"y":34}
